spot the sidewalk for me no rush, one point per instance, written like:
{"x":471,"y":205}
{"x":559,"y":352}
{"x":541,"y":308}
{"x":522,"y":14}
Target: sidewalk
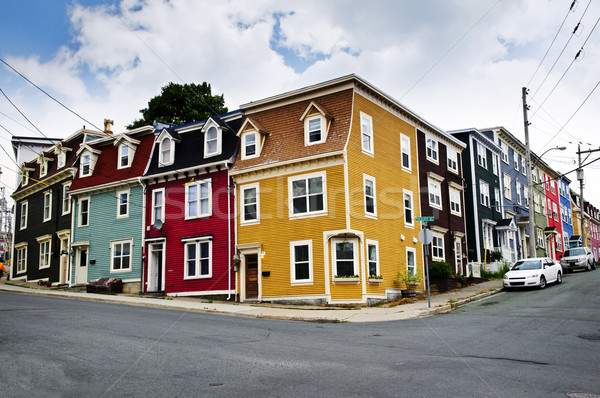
{"x":440,"y":304}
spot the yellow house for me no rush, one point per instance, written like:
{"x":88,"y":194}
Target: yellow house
{"x":327,"y":192}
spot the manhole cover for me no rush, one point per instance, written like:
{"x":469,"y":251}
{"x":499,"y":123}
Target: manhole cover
{"x":593,"y":337}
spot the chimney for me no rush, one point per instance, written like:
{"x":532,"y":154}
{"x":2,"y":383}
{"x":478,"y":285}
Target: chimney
{"x":108,"y":126}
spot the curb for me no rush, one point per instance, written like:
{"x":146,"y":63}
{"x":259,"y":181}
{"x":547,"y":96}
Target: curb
{"x":476,"y":297}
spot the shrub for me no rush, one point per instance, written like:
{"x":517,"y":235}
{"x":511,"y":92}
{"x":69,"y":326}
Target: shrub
{"x":440,"y":269}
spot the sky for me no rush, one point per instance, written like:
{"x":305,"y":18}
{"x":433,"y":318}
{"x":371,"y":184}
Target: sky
{"x":457,"y":63}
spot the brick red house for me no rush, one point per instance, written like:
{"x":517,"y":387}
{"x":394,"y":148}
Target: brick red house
{"x":189,"y":201}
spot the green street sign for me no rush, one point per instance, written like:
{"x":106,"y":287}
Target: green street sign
{"x":424,"y":218}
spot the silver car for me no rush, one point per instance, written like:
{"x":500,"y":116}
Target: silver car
{"x":577,"y":258}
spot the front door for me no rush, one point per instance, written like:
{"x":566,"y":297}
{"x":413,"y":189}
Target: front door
{"x":155,"y":268}
{"x":64,"y":261}
{"x":81,"y":269}
{"x":458,"y":256}
{"x":251,"y":276}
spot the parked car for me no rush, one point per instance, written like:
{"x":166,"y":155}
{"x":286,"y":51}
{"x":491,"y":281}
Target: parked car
{"x":577,"y":258}
{"x":530,"y":272}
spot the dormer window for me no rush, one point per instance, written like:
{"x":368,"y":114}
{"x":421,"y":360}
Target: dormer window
{"x":124,"y":156}
{"x":314,"y":130}
{"x":44,"y":168}
{"x":316,"y":124}
{"x":25,"y":177}
{"x":166,"y":152}
{"x":62,"y":159}
{"x":249,"y":145}
{"x":212,"y":142}
{"x":85,"y":164}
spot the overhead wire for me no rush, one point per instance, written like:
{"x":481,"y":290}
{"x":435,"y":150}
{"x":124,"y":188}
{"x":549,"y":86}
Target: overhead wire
{"x":22,"y":114}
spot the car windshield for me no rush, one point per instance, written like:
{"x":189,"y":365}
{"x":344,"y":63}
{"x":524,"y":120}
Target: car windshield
{"x":574,"y":252}
{"x":526,"y":265}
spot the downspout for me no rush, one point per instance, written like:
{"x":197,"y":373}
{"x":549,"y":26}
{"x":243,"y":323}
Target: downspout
{"x":228,"y":236}
{"x":141,"y":182}
{"x":235,"y":237}
{"x":71,"y":238}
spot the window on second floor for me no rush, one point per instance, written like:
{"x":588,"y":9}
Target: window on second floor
{"x":366,"y":128}
{"x":307,"y":195}
{"x":23,"y":215}
{"x":484,"y":193}
{"x":507,"y":187}
{"x":518,"y":192}
{"x":408,"y":208}
{"x":497,"y":199}
{"x":124,"y":156}
{"x":431,"y":146}
{"x":370,"y":199}
{"x":405,"y":152}
{"x":435,"y":192}
{"x":198,"y":199}
{"x":84,"y":212}
{"x":452,"y":156}
{"x":455,"y":207}
{"x":66,"y":199}
{"x":47,"y":205}
{"x":481,"y":155}
{"x":158,"y":205}
{"x":122,"y":204}
{"x":250,"y":204}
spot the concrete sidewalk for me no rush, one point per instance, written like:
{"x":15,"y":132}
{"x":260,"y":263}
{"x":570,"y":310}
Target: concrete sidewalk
{"x":440,"y":304}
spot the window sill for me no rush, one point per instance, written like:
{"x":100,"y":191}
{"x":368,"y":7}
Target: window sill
{"x":119,"y":271}
{"x":375,"y":281}
{"x":345,"y":280}
{"x":253,"y":222}
{"x":187,"y":278}
{"x":307,"y":215}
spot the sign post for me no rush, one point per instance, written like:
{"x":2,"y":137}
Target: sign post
{"x":425,"y":237}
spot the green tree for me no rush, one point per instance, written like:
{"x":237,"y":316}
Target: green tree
{"x":180,"y":104}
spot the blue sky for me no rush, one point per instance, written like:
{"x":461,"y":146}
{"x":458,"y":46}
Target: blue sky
{"x":457,"y":63}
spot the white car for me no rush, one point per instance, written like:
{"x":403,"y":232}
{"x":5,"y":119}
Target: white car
{"x":537,"y":271}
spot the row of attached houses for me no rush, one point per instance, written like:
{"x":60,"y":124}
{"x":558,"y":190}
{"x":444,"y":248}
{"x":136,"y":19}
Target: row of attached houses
{"x":311,"y":196}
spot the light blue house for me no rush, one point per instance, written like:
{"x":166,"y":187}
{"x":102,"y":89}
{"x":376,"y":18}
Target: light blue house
{"x":566,"y":213}
{"x":108,"y":208}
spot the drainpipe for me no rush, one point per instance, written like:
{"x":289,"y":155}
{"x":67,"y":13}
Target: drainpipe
{"x":143,"y":232}
{"x":228,"y":236}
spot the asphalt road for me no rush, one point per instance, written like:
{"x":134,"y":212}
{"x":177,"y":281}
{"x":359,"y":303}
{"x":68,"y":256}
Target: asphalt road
{"x":534,"y":343}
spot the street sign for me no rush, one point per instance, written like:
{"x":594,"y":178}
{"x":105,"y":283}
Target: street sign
{"x":425,"y":236}
{"x":424,"y":218}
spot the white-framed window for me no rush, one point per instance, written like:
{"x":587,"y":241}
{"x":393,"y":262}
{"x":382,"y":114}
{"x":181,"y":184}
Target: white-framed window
{"x":47,"y":206}
{"x":411,"y":260}
{"x":166,"y":152}
{"x":370,"y":198}
{"x":534,"y":175}
{"x":455,"y":207}
{"x":431,"y":149}
{"x":250,"y":204}
{"x":515,"y":160}
{"x":21,"y":257}
{"x":198,"y":199}
{"x":24,"y":177}
{"x":435,"y":193}
{"x":83,"y":216}
{"x":43,"y":168}
{"x":481,"y":155}
{"x":543,"y":203}
{"x":518,"y":189}
{"x":345,"y":257}
{"x":86,"y":169}
{"x":549,"y":208}
{"x":539,"y":237}
{"x":504,"y":149}
{"x":484,"y":193}
{"x":123,"y":204}
{"x":405,"y":152}
{"x":301,"y":262}
{"x":366,"y":129}
{"x":23,"y":216}
{"x":523,"y":168}
{"x":566,"y":240}
{"x":120,"y":258}
{"x":495,"y":168}
{"x":507,"y":187}
{"x":314,"y":128}
{"x":559,"y":244}
{"x":198,"y":259}
{"x":45,"y":247}
{"x":158,"y":205}
{"x":249,"y":145}
{"x":497,"y":199}
{"x":536,"y":203}
{"x":546,"y":181}
{"x":66,"y":199}
{"x":452,"y":156}
{"x":555,"y":211}
{"x":408,"y":208}
{"x":373,"y":258}
{"x":552,"y":186}
{"x":62,"y":159}
{"x":437,"y":246}
{"x":307,"y":195}
{"x":212,"y":142}
{"x":124,"y":156}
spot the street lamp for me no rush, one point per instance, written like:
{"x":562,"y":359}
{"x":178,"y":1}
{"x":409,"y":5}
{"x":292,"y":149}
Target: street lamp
{"x":530,"y":195}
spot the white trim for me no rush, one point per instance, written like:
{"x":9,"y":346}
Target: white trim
{"x":412,"y":207}
{"x":450,"y":151}
{"x":368,"y":178}
{"x":112,"y":255}
{"x":307,"y":213}
{"x":243,"y":189}
{"x":414,"y":252}
{"x":437,"y":185}
{"x":356,"y":266}
{"x":124,"y":191}
{"x":434,"y":151}
{"x":370,"y":242}
{"x":402,"y":148}
{"x":130,"y":152}
{"x":23,"y":224}
{"x":369,"y":122}
{"x":202,"y":293}
{"x":293,"y":280}
{"x":162,"y":207}
{"x":244,"y":137}
{"x":89,"y":202}
{"x":455,"y":191}
{"x":440,"y":237}
{"x":49,"y":206}
{"x":42,"y":241}
{"x":196,"y":242}
{"x":23,"y":246}
{"x":218,"y":140}
{"x":171,"y":153}
{"x":199,"y":199}
{"x":66,"y":198}
{"x":323,"y":129}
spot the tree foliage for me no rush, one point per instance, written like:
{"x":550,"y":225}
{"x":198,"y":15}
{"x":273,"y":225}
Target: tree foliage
{"x":180,"y":104}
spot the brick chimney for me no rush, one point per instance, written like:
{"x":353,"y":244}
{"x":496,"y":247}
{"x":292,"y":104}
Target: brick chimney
{"x":108,"y":126}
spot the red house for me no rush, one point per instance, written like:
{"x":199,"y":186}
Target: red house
{"x":189,"y":218}
{"x":553,"y":233}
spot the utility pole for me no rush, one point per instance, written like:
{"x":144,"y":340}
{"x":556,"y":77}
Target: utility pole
{"x":580,"y":178}
{"x":528,"y":166}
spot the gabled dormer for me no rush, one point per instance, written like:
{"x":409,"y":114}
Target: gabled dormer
{"x":316,"y":124}
{"x":166,"y":147}
{"x":87,"y":159}
{"x":61,"y":155}
{"x":213,"y":138}
{"x":44,"y":164}
{"x":252,"y":139}
{"x":25,"y":173}
{"x":126,"y":150}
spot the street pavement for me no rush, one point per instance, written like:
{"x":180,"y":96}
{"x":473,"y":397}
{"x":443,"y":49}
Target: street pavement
{"x":440,"y":304}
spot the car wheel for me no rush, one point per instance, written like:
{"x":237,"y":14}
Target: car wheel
{"x":558,"y":278}
{"x":593,"y":265}
{"x":542,"y":282}
{"x":588,"y":267}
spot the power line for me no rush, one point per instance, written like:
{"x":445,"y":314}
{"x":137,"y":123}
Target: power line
{"x":22,"y":114}
{"x":42,"y":90}
{"x":19,"y":123}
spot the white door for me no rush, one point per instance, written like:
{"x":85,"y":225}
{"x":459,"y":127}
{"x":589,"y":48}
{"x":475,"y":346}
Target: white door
{"x":81,"y":265}
{"x":458,"y":256}
{"x":64,"y":261}
{"x":155,"y":268}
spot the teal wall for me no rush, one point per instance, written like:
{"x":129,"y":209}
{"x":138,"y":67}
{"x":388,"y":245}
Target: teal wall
{"x":104,"y":227}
